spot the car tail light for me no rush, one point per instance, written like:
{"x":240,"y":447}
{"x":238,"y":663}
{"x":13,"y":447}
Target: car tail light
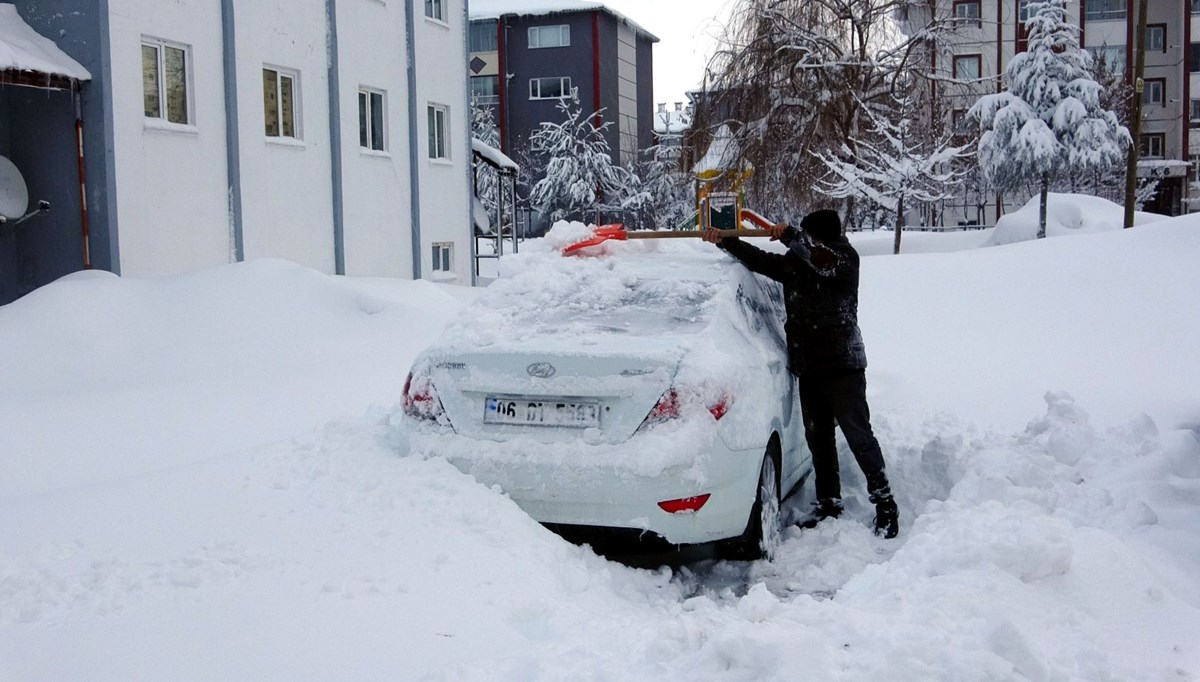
{"x":421,"y":401}
{"x":670,"y":405}
{"x":686,"y":505}
{"x":665,"y":409}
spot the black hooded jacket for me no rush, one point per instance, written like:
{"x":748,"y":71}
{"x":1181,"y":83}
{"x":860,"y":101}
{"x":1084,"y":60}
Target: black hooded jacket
{"x":820,"y":287}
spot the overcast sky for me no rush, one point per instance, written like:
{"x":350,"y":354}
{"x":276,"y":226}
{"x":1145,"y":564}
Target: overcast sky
{"x":687,"y":31}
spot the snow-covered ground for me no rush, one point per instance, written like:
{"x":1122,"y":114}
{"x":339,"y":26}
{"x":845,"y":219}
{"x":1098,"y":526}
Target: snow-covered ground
{"x":203,"y":478}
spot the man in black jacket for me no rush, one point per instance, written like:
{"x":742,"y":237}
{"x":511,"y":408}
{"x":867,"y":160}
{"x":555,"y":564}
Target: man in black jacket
{"x":819,"y":274}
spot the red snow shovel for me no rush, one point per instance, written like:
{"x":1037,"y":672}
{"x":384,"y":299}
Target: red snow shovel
{"x":617,"y":232}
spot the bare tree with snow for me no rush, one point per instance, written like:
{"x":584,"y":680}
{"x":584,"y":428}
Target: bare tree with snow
{"x":580,"y":177}
{"x":892,"y":168}
{"x":791,"y":78}
{"x":1051,"y":121}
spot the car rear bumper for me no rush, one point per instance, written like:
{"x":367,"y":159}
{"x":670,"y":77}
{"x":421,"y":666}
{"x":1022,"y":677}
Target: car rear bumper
{"x":557,"y":494}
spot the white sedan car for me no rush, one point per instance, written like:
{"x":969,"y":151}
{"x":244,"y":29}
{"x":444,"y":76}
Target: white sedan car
{"x":638,"y":401}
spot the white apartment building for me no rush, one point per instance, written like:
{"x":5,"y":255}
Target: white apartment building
{"x":988,"y":33}
{"x":333,"y":133}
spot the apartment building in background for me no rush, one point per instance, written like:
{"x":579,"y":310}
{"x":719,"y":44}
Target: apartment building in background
{"x":332,"y":133}
{"x":523,"y":61}
{"x":988,"y":33}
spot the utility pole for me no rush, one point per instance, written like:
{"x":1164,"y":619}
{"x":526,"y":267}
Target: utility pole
{"x":1139,"y":70}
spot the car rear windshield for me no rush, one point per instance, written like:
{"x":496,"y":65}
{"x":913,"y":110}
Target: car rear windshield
{"x":645,"y":307}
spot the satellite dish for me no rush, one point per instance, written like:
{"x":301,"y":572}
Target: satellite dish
{"x":14,"y":195}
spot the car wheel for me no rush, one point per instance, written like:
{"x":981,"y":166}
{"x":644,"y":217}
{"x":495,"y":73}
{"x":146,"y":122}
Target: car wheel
{"x":763,"y":534}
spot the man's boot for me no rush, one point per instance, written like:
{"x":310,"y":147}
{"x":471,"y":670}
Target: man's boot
{"x":828,"y":508}
{"x":887,"y":516}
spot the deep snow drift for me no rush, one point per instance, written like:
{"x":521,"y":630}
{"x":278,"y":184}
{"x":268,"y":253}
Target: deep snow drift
{"x":204,"y":477}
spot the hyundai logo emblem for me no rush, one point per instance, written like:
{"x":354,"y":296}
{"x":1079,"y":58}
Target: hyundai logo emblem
{"x":541,"y":370}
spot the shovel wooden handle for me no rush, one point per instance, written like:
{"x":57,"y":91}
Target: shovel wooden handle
{"x":677,"y":234}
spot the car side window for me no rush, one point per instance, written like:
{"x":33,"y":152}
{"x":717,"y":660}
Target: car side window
{"x":761,"y":302}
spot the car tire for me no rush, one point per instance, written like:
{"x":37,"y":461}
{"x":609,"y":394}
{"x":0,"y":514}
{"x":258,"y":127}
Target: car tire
{"x":764,"y":532}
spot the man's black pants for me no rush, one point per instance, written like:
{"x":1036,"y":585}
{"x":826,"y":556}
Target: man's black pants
{"x":840,"y":398}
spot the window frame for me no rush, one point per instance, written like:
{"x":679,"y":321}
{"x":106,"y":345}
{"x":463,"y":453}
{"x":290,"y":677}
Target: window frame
{"x":1108,"y":13}
{"x":977,"y":19}
{"x":439,"y":132}
{"x":483,"y":27}
{"x":282,"y":73}
{"x":490,"y":98}
{"x":164,"y":113}
{"x":564,"y":84}
{"x":962,"y":58}
{"x":1162,"y":90}
{"x":1194,"y":112}
{"x":564,"y":30}
{"x":436,"y":10}
{"x":366,"y":138}
{"x":1106,"y":51}
{"x":446,"y":252}
{"x":1160,"y":30}
{"x":1148,"y":138}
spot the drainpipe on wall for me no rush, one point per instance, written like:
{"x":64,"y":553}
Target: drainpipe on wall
{"x":232,"y":140}
{"x":335,"y":140}
{"x":414,"y":178}
{"x":83,"y":207}
{"x":467,"y":154}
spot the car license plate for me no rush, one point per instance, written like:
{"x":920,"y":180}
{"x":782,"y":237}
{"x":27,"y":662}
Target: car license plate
{"x":527,"y":411}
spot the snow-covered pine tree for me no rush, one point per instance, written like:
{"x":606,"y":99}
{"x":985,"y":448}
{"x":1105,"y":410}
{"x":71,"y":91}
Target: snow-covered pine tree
{"x":892,"y":167}
{"x":1051,"y":121}
{"x":580,"y":177}
{"x":671,"y":191}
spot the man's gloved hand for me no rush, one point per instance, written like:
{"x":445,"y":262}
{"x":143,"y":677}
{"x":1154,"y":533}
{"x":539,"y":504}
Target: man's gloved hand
{"x":802,"y":246}
{"x":712,"y":235}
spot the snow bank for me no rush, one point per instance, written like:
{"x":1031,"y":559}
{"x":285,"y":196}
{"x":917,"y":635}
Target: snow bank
{"x":1065,"y":214}
{"x":206,"y":464}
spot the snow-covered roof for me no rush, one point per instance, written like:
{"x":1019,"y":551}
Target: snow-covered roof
{"x":672,"y":122}
{"x":494,"y":9}
{"x":496,"y":157}
{"x":24,"y":49}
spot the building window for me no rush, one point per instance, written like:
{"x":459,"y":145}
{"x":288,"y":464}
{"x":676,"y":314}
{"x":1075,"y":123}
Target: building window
{"x":550,"y":88}
{"x":435,"y":9}
{"x":1151,"y":146}
{"x":1155,"y":92}
{"x":1113,"y":57}
{"x":1102,"y":10}
{"x":482,"y":36}
{"x":443,"y":256}
{"x":967,"y":67}
{"x":485,"y":89}
{"x":1023,"y":12}
{"x":279,"y":103}
{"x":967,"y":12}
{"x":1194,"y":56}
{"x":1156,"y":37}
{"x":1195,"y":6}
{"x":165,"y":81}
{"x":549,"y":36}
{"x":372,"y":114}
{"x":1195,"y":113}
{"x":438,"y":116}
